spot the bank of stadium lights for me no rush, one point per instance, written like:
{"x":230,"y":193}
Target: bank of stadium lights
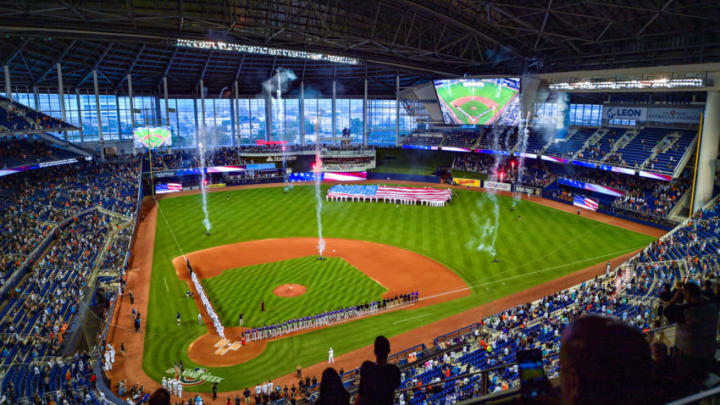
{"x":629,"y":84}
{"x":264,"y":50}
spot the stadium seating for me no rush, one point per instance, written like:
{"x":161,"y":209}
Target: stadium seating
{"x":16,"y":118}
{"x":19,"y":152}
{"x":570,"y":146}
{"x":83,"y":204}
{"x":461,"y":139}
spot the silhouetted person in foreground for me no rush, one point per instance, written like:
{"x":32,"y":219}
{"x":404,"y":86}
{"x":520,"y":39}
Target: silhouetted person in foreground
{"x":605,"y":361}
{"x":378,"y":381}
{"x":161,"y":396}
{"x":697,"y":325}
{"x":331,"y":389}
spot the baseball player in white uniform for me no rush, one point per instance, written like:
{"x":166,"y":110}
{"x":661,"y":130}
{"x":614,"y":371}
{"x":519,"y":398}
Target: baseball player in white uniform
{"x":164,"y":383}
{"x":331,"y":357}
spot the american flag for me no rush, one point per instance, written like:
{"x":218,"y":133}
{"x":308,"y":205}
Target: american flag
{"x":397,"y":193}
{"x":162,"y":188}
{"x":587,"y":203}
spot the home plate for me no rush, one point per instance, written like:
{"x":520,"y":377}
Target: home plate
{"x":235,"y":345}
{"x":222,"y":342}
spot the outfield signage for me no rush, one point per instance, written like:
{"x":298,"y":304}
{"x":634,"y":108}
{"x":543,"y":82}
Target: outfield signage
{"x":468,"y":182}
{"x":674,"y":115}
{"x":624,"y":113}
{"x":497,"y":186}
{"x":528,"y":190}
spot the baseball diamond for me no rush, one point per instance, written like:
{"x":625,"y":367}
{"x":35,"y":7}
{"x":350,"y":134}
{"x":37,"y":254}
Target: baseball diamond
{"x":382,"y":225}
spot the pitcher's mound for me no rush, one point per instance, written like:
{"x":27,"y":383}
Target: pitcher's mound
{"x":289,"y":290}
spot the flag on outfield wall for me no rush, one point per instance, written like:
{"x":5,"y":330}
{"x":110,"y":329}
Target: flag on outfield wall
{"x":162,"y":188}
{"x":587,"y":203}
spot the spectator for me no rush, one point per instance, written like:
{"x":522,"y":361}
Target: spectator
{"x":697,"y":328}
{"x":331,"y":389}
{"x":160,"y":397}
{"x":381,"y":379}
{"x":604,"y":361}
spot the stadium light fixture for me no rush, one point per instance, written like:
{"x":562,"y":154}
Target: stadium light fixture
{"x":264,"y":50}
{"x":661,"y":83}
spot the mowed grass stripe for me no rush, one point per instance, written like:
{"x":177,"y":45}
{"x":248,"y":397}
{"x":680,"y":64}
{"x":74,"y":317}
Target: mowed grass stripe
{"x":543,"y":245}
{"x":331,"y":284}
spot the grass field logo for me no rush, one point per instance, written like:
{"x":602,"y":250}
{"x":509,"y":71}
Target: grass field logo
{"x":192,"y":377}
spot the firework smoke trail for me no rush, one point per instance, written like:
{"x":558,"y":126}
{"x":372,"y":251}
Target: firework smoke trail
{"x":203,"y":190}
{"x":486,"y":219}
{"x":317,"y":169}
{"x":521,"y":161}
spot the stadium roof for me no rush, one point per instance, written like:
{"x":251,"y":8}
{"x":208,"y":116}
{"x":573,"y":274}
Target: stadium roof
{"x":420,"y":39}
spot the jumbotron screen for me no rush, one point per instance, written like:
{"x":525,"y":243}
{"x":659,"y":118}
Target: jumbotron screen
{"x":479,"y":101}
{"x":152,"y":137}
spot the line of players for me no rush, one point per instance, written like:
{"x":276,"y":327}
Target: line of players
{"x":173,"y":385}
{"x":327,"y":318}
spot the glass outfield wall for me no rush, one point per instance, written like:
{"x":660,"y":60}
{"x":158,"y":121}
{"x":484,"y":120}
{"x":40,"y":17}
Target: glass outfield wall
{"x":217,"y":121}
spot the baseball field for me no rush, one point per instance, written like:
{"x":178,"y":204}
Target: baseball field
{"x":263,"y":240}
{"x":473,"y":102}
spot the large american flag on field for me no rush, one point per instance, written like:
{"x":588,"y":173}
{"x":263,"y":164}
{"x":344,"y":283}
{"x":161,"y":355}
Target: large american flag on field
{"x":583,"y":202}
{"x":162,"y":188}
{"x":397,"y":193}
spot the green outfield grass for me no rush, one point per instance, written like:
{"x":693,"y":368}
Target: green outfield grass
{"x":453,"y":92}
{"x":241,"y":290}
{"x":543,"y":245}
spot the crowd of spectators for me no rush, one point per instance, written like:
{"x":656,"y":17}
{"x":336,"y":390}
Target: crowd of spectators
{"x":17,"y":152}
{"x":461,"y":139}
{"x":505,"y":169}
{"x":654,"y":198}
{"x":423,"y":140}
{"x":15,"y":117}
{"x":60,"y":201}
{"x":231,"y":156}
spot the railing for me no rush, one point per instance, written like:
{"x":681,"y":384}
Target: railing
{"x":458,"y":332}
{"x":685,"y":158}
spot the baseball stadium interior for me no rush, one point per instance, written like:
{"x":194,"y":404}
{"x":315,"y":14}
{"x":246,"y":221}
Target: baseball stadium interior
{"x":407,"y":202}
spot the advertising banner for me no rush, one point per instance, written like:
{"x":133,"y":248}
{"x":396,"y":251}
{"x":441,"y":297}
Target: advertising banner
{"x":497,"y":186}
{"x":35,"y":166}
{"x":674,"y":115}
{"x":468,"y":182}
{"x":624,"y":113}
{"x":590,"y":187}
{"x":528,"y":190}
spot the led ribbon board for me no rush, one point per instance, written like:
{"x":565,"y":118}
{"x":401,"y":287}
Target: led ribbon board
{"x":264,"y":50}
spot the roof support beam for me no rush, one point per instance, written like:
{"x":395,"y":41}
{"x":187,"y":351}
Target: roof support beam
{"x":95,"y":66}
{"x":542,"y":27}
{"x":169,"y":65}
{"x":456,"y":22}
{"x":207,"y":62}
{"x":654,"y":17}
{"x":15,"y":53}
{"x":27,"y":66}
{"x":54,"y":63}
{"x":240,"y":66}
{"x":131,"y":67}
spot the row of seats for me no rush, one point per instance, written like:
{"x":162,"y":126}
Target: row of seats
{"x":18,"y":118}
